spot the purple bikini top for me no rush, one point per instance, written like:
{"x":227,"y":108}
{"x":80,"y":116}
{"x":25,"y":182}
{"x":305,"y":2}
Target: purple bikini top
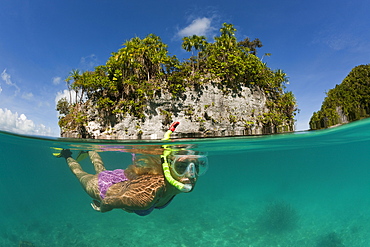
{"x":107,"y":178}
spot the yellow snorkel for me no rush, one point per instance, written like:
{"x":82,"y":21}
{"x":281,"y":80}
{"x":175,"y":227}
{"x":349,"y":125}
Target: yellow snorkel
{"x":165,"y":165}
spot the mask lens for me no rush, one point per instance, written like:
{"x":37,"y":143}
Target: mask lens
{"x":202,"y":165}
{"x":180,"y":167}
{"x":181,"y":163}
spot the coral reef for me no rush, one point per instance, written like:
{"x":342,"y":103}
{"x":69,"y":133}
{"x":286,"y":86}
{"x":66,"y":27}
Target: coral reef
{"x":330,"y":240}
{"x":26,"y":244}
{"x":278,"y":217}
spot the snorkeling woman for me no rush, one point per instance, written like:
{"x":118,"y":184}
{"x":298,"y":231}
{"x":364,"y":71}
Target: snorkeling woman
{"x":151,"y":182}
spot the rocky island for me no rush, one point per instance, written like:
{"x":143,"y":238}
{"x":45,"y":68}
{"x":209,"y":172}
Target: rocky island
{"x":223,"y":89}
{"x":347,"y":102}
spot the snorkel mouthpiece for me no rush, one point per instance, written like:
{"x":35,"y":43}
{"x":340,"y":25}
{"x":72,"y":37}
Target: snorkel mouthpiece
{"x":186,"y":188}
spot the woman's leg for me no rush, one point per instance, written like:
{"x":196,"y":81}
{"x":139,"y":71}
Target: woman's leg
{"x":97,"y":162}
{"x":88,"y":181}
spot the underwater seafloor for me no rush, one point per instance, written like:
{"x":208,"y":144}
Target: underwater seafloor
{"x":299,"y":189}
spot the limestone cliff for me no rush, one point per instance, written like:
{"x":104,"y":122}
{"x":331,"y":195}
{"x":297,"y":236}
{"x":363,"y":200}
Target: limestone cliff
{"x":204,"y":112}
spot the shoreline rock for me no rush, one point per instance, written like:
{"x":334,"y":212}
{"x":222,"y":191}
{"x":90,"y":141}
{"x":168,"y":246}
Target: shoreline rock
{"x":203,"y":112}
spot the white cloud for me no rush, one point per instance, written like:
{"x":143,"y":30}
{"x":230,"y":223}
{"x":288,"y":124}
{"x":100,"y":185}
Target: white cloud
{"x":340,"y":41}
{"x":57,"y":80}
{"x":89,"y":62}
{"x":27,"y":96}
{"x":199,"y":26}
{"x":15,"y":123}
{"x":338,"y":38}
{"x":6,"y":77}
{"x":65,"y":94}
{"x":43,"y":104}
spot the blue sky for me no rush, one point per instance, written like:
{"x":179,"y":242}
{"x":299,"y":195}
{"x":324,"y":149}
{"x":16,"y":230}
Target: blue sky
{"x":315,"y":42}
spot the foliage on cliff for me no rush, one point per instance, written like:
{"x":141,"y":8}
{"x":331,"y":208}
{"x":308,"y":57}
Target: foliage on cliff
{"x":142,"y":69}
{"x":351,"y":98}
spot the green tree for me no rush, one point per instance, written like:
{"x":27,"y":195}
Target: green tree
{"x":63,"y":107}
{"x":250,"y":46}
{"x":194,"y":43}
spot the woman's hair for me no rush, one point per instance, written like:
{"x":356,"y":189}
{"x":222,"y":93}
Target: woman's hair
{"x":144,"y":165}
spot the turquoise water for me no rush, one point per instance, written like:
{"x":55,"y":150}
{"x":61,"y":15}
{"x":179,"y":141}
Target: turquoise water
{"x":301,"y":189}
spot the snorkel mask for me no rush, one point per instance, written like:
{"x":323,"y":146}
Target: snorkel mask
{"x":189,"y":165}
{"x":183,"y":163}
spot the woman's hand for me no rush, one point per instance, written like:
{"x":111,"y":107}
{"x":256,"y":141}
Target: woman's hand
{"x":96,"y":205}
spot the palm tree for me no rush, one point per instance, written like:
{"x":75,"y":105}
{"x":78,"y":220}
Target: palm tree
{"x":75,"y":76}
{"x":187,"y":44}
{"x":193,"y":43}
{"x":227,"y":35}
{"x":250,"y":45}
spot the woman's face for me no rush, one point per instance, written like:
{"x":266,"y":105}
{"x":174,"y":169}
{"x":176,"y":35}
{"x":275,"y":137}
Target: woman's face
{"x":185,"y":169}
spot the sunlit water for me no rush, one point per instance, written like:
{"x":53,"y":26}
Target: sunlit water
{"x":318,"y":182}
